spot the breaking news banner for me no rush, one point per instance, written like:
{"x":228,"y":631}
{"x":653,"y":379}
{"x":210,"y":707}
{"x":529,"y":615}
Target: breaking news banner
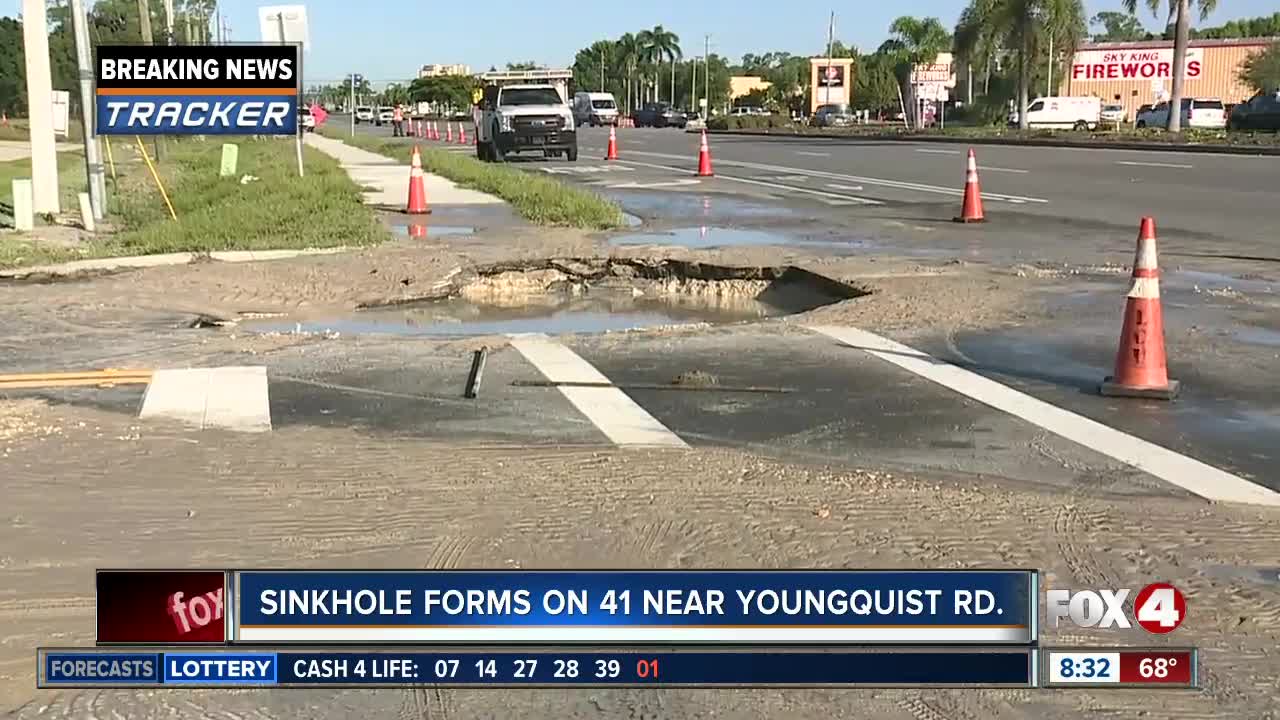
{"x":620,"y":607}
{"x":155,"y":607}
{"x":513,"y":667}
{"x":244,"y":89}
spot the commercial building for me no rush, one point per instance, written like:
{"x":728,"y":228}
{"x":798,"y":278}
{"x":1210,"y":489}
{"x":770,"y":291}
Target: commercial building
{"x":439,"y":70}
{"x":743,"y":85}
{"x":1140,"y":73}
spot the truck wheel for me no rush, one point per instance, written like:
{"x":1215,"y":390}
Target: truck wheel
{"x":572,"y":154}
{"x":1142,"y":123}
{"x":1081,"y":125}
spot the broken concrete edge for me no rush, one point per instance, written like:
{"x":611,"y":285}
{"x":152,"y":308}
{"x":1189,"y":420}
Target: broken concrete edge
{"x":96,"y":266}
{"x":1199,"y":148}
{"x":589,"y":269}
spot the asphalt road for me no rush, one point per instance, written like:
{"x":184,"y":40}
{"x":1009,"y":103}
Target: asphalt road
{"x":1202,"y":197}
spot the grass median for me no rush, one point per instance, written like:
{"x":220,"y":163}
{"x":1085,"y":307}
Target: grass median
{"x":264,"y":206}
{"x":539,"y":199}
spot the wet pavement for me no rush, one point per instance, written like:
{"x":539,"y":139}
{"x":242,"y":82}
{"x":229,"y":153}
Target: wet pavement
{"x":556,"y":314}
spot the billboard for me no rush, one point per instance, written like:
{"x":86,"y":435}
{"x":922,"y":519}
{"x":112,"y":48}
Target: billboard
{"x":831,"y":75}
{"x":1142,"y":64}
{"x":246,"y":89}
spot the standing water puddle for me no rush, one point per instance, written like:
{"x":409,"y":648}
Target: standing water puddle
{"x":712,"y":236}
{"x":429,"y":230}
{"x":543,"y":314}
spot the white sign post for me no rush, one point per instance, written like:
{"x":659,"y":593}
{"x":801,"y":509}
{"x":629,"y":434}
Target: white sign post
{"x":288,"y":24}
{"x":61,"y":112}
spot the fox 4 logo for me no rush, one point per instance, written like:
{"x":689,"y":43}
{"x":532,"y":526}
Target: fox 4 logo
{"x":1159,"y":608}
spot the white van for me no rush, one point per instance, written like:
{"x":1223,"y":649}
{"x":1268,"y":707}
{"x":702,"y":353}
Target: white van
{"x":595,"y":108}
{"x":1077,"y":113}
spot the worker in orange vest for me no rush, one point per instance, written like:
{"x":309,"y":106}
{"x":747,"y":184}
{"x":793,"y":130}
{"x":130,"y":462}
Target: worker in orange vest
{"x":397,"y":121}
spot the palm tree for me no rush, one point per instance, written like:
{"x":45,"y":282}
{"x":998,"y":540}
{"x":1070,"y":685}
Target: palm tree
{"x":628,"y":54}
{"x":1182,"y":31}
{"x":1026,"y":25}
{"x":978,"y":38}
{"x":661,"y":44}
{"x":918,"y":42}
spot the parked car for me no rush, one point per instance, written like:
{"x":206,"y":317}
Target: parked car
{"x":659,"y":115}
{"x":1260,"y":112}
{"x":694,"y":121}
{"x":364,"y":113}
{"x":306,"y":119}
{"x":1113,"y":114}
{"x":832,"y":116}
{"x":1208,"y":113}
{"x":385,"y":115}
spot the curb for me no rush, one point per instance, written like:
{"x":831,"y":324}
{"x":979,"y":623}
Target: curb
{"x":138,"y":262}
{"x":1016,"y":142}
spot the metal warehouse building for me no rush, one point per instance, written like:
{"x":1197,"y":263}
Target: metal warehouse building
{"x":1142,"y":72}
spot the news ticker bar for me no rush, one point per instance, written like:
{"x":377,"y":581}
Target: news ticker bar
{"x":594,"y":608}
{"x":994,"y":667}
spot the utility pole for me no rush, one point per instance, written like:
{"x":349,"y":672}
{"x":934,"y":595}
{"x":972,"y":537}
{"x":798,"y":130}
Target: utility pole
{"x":144,"y":17}
{"x":353,"y":77}
{"x":44,"y":155}
{"x":831,"y":41}
{"x":168,"y":22}
{"x":706,"y":75}
{"x":92,"y":154}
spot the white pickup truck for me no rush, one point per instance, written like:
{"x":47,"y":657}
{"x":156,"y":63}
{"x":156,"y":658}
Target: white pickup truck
{"x":525,"y":115}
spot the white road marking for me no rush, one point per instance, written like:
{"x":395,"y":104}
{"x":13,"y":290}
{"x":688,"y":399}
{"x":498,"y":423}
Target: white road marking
{"x":1154,"y":164}
{"x":988,"y":168}
{"x":230,"y":398}
{"x":791,"y":178}
{"x":608,"y":408}
{"x":813,"y":154}
{"x":939,"y":152}
{"x":775,"y":186}
{"x":679,"y":182}
{"x":882,"y":182}
{"x":850,"y":188}
{"x":1187,"y":473}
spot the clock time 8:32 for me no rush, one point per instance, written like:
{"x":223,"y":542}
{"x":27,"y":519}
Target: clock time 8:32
{"x":1084,"y":667}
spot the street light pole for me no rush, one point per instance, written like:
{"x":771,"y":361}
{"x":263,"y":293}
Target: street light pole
{"x":353,"y":105}
{"x":706,"y":75}
{"x":92,"y":154}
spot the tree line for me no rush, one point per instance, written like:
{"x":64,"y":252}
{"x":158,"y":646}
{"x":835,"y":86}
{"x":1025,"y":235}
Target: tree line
{"x":109,"y":22}
{"x":1125,"y":27}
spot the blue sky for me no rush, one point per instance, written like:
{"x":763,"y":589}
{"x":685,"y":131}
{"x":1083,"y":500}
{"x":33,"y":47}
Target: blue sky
{"x":389,"y":39}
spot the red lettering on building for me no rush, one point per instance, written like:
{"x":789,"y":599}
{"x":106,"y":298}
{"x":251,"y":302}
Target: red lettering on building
{"x":1193,"y":68}
{"x":1099,"y":71}
{"x":1113,"y":71}
{"x":1164,"y":69}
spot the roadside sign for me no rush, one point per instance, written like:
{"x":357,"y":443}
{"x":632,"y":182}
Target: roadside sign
{"x":61,"y":112}
{"x":284,"y":24}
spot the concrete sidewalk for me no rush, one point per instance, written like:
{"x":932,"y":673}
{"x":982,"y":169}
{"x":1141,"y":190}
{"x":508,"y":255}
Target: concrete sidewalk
{"x":391,"y":178}
{"x":19,"y":149}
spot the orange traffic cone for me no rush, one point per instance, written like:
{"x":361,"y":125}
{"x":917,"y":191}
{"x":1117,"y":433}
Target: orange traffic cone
{"x":448,"y":132}
{"x":417,"y":186}
{"x":704,"y":158}
{"x":612,"y":152}
{"x":4,"y":119}
{"x":435,"y":132}
{"x":971,"y":211}
{"x":1141,"y":369}
{"x":417,"y":231}
{"x":462,"y":134}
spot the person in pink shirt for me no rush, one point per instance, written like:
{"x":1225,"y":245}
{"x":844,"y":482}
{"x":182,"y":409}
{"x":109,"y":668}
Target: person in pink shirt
{"x":318,"y":113}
